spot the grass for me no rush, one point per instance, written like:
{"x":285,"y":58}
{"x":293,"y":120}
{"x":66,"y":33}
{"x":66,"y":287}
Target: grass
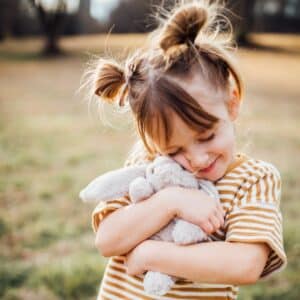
{"x":50,"y":147}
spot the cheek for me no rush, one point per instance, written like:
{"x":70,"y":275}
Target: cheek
{"x":225,"y":142}
{"x":180,"y":159}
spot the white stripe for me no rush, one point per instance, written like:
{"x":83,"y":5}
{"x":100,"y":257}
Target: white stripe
{"x":124,"y":285}
{"x":259,"y":233}
{"x":263,"y":188}
{"x":239,"y":220}
{"x":177,"y":293}
{"x":193,"y":285}
{"x":256,"y":226}
{"x":259,"y":212}
{"x":246,"y":172}
{"x":109,"y":296}
{"x":206,"y":294}
{"x":237,"y":177}
{"x":124,"y":276}
{"x":269,"y":235}
{"x":279,"y":251}
{"x":119,"y":291}
{"x":226,"y":206}
{"x":227,"y":196}
{"x":227,"y":187}
{"x":253,"y":195}
{"x":254,"y":218}
{"x":227,"y":181}
{"x":198,"y":294}
{"x":268,"y":184}
{"x":271,"y":226}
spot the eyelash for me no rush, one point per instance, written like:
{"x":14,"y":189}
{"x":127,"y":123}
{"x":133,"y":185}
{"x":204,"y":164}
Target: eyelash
{"x":211,"y":137}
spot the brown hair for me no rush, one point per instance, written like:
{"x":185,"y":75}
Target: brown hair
{"x":189,"y":36}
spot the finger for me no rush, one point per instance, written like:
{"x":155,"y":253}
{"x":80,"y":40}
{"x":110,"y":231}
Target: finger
{"x":220,"y":217}
{"x":215,"y":222}
{"x":220,"y":209}
{"x":207,"y":227}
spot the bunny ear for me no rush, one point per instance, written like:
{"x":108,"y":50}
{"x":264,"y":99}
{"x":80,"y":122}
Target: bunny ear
{"x":209,"y":188}
{"x":111,"y":185}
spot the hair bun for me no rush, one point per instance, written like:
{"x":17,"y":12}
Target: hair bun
{"x":109,"y":79}
{"x":183,"y":26}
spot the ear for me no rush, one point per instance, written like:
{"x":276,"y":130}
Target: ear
{"x":112,"y":185}
{"x":233,"y":105}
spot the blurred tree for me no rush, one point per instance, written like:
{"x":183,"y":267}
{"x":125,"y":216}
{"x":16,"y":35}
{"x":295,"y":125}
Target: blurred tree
{"x":8,"y":9}
{"x":247,"y":16}
{"x":242,"y":17}
{"x":129,"y":16}
{"x":52,"y":16}
{"x":136,"y":15}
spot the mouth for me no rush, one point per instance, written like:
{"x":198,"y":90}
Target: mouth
{"x":209,"y":168}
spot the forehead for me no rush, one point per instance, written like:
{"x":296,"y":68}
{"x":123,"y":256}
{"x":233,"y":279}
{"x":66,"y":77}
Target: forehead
{"x":205,"y":92}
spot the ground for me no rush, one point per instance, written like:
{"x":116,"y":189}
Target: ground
{"x":51,"y":145}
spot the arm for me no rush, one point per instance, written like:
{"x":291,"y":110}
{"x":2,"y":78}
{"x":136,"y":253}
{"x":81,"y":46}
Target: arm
{"x":128,"y":226}
{"x":206,"y":262}
{"x":125,"y":228}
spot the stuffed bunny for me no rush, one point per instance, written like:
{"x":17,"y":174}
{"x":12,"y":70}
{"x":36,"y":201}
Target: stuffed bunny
{"x":140,"y":182}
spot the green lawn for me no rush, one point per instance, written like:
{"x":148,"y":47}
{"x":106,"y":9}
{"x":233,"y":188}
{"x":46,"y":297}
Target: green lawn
{"x":51,"y":145}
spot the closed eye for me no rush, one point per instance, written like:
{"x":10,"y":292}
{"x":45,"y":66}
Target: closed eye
{"x":211,"y":137}
{"x":175,"y":152}
{"x":208,"y":138}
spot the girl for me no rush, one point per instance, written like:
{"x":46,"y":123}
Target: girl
{"x":185,"y":95}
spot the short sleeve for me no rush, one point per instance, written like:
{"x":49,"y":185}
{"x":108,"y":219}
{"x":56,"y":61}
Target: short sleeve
{"x":103,"y":209}
{"x":257,"y":217}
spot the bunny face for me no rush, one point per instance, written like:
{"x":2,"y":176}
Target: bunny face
{"x":164,"y":171}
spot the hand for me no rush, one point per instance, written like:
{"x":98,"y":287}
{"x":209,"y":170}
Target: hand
{"x":135,"y":260}
{"x":195,"y":206}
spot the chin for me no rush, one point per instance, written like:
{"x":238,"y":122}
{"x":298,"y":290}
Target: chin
{"x":213,"y":175}
{"x":217,"y":175}
{"x":210,"y":177}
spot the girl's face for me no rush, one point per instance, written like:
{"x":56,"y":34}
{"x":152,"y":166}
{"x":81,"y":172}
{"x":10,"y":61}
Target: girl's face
{"x":208,"y":154}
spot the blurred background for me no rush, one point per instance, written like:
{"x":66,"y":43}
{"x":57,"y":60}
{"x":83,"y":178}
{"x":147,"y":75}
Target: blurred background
{"x":52,"y":145}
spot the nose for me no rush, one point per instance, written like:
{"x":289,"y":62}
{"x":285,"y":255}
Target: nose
{"x":197,"y":157}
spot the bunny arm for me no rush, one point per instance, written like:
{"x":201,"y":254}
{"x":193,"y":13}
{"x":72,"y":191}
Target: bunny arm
{"x":111,"y":185}
{"x":209,"y":188}
{"x":158,"y":284}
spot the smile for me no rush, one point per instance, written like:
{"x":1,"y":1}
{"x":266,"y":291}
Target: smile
{"x":209,"y":168}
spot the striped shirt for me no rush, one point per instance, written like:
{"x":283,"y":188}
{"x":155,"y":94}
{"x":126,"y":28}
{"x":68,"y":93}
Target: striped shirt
{"x":250,"y":196}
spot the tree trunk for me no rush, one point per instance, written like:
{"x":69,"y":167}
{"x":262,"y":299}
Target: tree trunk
{"x":8,"y":11}
{"x":53,"y":24}
{"x":52,"y":46}
{"x":243,"y":19}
